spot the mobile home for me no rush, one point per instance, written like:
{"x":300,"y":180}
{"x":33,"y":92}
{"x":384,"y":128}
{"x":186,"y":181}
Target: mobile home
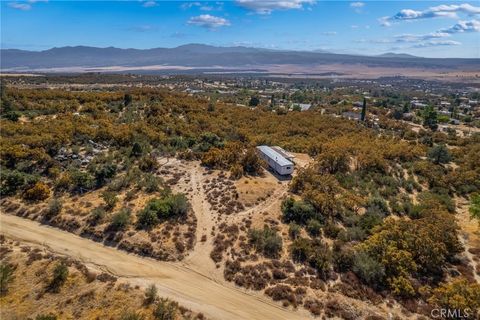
{"x":276,"y":160}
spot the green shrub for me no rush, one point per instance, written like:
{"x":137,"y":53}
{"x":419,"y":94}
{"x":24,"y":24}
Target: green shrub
{"x":131,"y":315}
{"x":97,"y":216}
{"x":110,"y":199}
{"x":343,"y":258}
{"x":439,"y":154}
{"x":331,"y":230}
{"x":266,"y":241}
{"x":60,"y":275}
{"x":294,"y":230}
{"x":11,"y":181}
{"x":54,"y":207}
{"x":150,"y":183}
{"x":368,"y":269}
{"x":170,"y":206}
{"x":148,"y":163}
{"x":147,"y":219}
{"x":314,"y":252}
{"x":6,"y":277}
{"x":151,"y":294}
{"x":165,"y":310}
{"x":314,"y":227}
{"x":297,"y":211}
{"x":121,"y":219}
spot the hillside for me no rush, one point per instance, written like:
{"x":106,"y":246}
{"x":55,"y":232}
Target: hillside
{"x":204,"y":56}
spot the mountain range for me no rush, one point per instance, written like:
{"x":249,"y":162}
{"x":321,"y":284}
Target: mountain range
{"x":205,"y":56}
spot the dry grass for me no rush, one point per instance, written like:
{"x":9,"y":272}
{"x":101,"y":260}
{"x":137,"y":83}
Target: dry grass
{"x":87,"y":294}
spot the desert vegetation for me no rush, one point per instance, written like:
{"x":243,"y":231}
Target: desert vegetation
{"x":41,"y":285}
{"x":371,"y":219}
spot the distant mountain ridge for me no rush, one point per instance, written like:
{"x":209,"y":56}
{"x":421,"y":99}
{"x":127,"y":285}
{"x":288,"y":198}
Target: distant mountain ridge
{"x":205,"y":56}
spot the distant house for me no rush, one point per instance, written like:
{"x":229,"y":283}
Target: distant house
{"x":276,"y":159}
{"x":303,"y":106}
{"x":352,"y":115}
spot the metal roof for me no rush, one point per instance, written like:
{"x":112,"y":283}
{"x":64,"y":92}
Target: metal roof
{"x":275,"y":156}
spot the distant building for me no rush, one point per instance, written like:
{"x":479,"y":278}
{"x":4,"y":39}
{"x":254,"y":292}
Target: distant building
{"x":352,"y":115}
{"x":303,"y":106}
{"x":277,"y":160}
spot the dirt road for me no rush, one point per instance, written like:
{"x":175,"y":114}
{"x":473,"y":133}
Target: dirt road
{"x":179,"y":282}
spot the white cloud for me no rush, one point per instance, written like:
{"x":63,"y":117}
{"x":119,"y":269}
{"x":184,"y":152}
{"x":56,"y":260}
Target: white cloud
{"x":421,"y":37}
{"x":204,"y":7}
{"x":436,"y":43}
{"x":329,"y":33}
{"x":149,"y":3}
{"x":446,"y":11}
{"x":20,"y":6}
{"x":143,"y":28}
{"x":357,"y":4}
{"x":208,"y":21}
{"x":267,"y":6}
{"x":464,"y":26}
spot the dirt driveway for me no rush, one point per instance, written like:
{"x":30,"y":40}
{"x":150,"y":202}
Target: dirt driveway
{"x":217,"y":300}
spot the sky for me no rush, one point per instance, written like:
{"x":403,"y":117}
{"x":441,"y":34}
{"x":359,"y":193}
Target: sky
{"x":422,"y":28}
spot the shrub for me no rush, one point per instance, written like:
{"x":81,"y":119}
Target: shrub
{"x":121,"y":219}
{"x":316,"y":253}
{"x":150,"y":183}
{"x":458,"y":294}
{"x":236,"y":171}
{"x":103,"y":173}
{"x":368,"y":269}
{"x":11,"y":181}
{"x":171,"y":206}
{"x":40,"y":191}
{"x":54,"y":207}
{"x":151,"y":294}
{"x":439,"y":154}
{"x":178,"y":204}
{"x":131,"y":315}
{"x":294,"y":230}
{"x":297,"y":211}
{"x":110,"y":199}
{"x":266,"y":241}
{"x":6,"y":277}
{"x":148,"y":163}
{"x":165,"y":310}
{"x":81,"y":181}
{"x":251,"y":163}
{"x":96,"y":216}
{"x":474,"y":208}
{"x":137,"y":150}
{"x":147,"y":219}
{"x":60,"y":275}
{"x":331,"y":230}
{"x":314,"y":228}
{"x":46,"y":317}
{"x":343,"y":258}
{"x":378,"y":204}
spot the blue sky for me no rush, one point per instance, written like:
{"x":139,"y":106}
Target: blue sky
{"x":424,"y":28}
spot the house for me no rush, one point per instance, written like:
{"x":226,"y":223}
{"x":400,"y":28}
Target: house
{"x":276,"y":160}
{"x":284,"y":153}
{"x":302,"y":106}
{"x":352,"y":115}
